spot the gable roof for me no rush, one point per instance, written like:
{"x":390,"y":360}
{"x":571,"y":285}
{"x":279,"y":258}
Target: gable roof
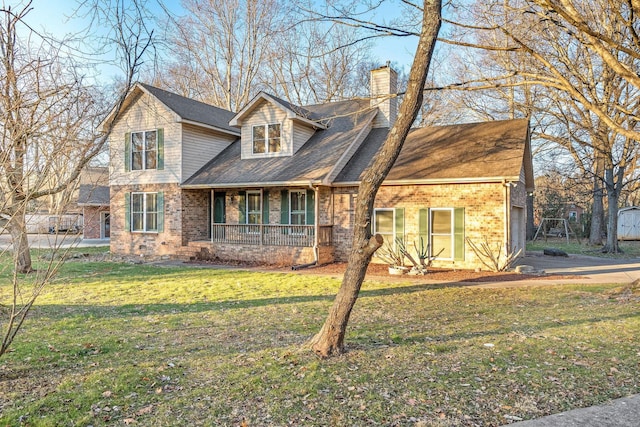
{"x":314,"y":161}
{"x":194,"y":111}
{"x":188,"y":110}
{"x":93,"y":195}
{"x":466,"y":152}
{"x":293,"y":111}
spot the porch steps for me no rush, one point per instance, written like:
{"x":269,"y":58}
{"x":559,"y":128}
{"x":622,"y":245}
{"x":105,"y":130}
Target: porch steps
{"x":194,"y":251}
{"x":186,"y":253}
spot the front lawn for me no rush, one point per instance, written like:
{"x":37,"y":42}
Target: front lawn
{"x":121,"y":344}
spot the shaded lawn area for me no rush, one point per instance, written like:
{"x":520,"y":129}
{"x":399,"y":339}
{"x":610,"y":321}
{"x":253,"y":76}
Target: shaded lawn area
{"x":120,"y":344}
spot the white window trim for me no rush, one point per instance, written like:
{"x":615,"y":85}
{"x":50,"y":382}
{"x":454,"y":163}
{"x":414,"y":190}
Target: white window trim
{"x":303,"y":211}
{"x":266,"y":140}
{"x":393,"y":225}
{"x":144,"y":212}
{"x":248,"y":212}
{"x":452,"y":234}
{"x":144,"y":149}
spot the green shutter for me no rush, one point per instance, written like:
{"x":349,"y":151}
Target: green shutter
{"x":284,"y":207}
{"x":265,"y":207}
{"x":127,"y":211}
{"x":458,"y":234}
{"x":160,"y":141}
{"x":127,"y":151}
{"x":423,"y":228}
{"x":242,"y":207}
{"x":399,"y":223}
{"x":311,"y":207}
{"x":160,"y":202}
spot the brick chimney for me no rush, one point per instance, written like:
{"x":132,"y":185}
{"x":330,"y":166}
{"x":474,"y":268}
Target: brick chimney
{"x":384,"y":86}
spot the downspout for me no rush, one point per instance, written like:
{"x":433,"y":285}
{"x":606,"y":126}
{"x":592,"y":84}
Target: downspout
{"x":212,"y":206}
{"x":316,"y":229}
{"x":507,"y":215}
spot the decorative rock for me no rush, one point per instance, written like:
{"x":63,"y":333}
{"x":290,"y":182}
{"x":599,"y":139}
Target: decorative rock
{"x":525,"y":269}
{"x":554,"y":252}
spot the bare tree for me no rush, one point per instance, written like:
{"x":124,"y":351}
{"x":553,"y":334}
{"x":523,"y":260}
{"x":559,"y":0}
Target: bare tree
{"x":330,"y":340}
{"x":225,"y":52}
{"x":47,"y":125}
{"x":219,"y":48}
{"x":589,"y":100}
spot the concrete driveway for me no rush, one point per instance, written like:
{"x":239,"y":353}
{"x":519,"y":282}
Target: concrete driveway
{"x":586,"y":269}
{"x":48,"y":241}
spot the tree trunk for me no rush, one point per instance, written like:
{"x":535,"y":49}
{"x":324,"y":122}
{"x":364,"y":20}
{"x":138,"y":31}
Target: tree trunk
{"x":613,"y":194}
{"x":597,"y":208}
{"x":330,"y":340}
{"x":21,"y":254}
{"x":531,"y":227}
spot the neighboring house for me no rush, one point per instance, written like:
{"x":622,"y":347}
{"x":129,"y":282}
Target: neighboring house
{"x":277,"y":183}
{"x":95,"y":203}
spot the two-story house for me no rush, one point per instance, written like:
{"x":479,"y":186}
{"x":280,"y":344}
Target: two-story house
{"x":277,"y":183}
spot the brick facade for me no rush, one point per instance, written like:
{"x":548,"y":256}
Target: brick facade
{"x":93,"y":221}
{"x":188,"y":216}
{"x":484,"y":213}
{"x":147,"y":245}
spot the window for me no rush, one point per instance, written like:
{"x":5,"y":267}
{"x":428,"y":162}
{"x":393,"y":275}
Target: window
{"x":145,"y":212}
{"x":144,"y":150}
{"x":266,"y":139}
{"x":254,"y":211}
{"x":298,"y":205}
{"x":383,"y":224}
{"x":442,"y":233}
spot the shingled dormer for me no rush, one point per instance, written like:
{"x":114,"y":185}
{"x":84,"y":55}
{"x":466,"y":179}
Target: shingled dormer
{"x":272,"y":127}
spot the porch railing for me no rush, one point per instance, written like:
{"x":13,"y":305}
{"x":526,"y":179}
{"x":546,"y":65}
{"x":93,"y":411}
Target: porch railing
{"x":271,"y":235}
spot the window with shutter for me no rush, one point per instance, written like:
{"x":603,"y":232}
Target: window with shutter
{"x":144,"y":212}
{"x":144,"y":150}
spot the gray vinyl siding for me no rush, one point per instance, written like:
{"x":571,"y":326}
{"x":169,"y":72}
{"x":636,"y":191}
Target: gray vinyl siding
{"x":199,"y":145}
{"x":146,"y":113}
{"x":301,"y":134}
{"x":266,"y":113}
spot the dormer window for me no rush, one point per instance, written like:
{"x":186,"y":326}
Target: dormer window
{"x":266,"y":139}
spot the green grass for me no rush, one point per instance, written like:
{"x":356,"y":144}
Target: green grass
{"x":631,"y":249}
{"x":115,"y":344}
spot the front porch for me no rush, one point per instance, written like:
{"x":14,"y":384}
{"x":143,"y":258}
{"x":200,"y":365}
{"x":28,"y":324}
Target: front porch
{"x":284,"y":245}
{"x":271,"y":235}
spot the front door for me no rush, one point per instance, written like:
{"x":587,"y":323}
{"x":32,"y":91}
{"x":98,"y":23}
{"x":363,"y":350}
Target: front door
{"x":106,"y":225}
{"x":219,"y":210}
{"x":219,"y":214}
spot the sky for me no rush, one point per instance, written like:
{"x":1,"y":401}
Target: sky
{"x":57,"y":17}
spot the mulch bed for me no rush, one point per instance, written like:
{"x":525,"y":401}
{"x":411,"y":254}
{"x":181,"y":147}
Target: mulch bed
{"x":439,"y":274}
{"x":382,"y":271}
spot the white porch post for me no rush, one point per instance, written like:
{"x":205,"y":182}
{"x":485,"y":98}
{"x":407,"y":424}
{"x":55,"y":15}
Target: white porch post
{"x":317,"y":222}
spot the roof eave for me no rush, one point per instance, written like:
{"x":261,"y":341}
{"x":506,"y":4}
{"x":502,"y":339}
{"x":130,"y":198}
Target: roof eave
{"x":305,"y":183}
{"x":436,"y":181}
{"x":291,"y":114}
{"x":204,"y":125}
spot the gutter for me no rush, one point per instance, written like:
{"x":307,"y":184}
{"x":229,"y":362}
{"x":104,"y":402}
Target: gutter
{"x":251,"y":184}
{"x":488,"y":180}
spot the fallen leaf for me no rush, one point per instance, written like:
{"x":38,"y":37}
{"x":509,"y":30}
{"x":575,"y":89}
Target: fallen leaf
{"x":145,"y":410}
